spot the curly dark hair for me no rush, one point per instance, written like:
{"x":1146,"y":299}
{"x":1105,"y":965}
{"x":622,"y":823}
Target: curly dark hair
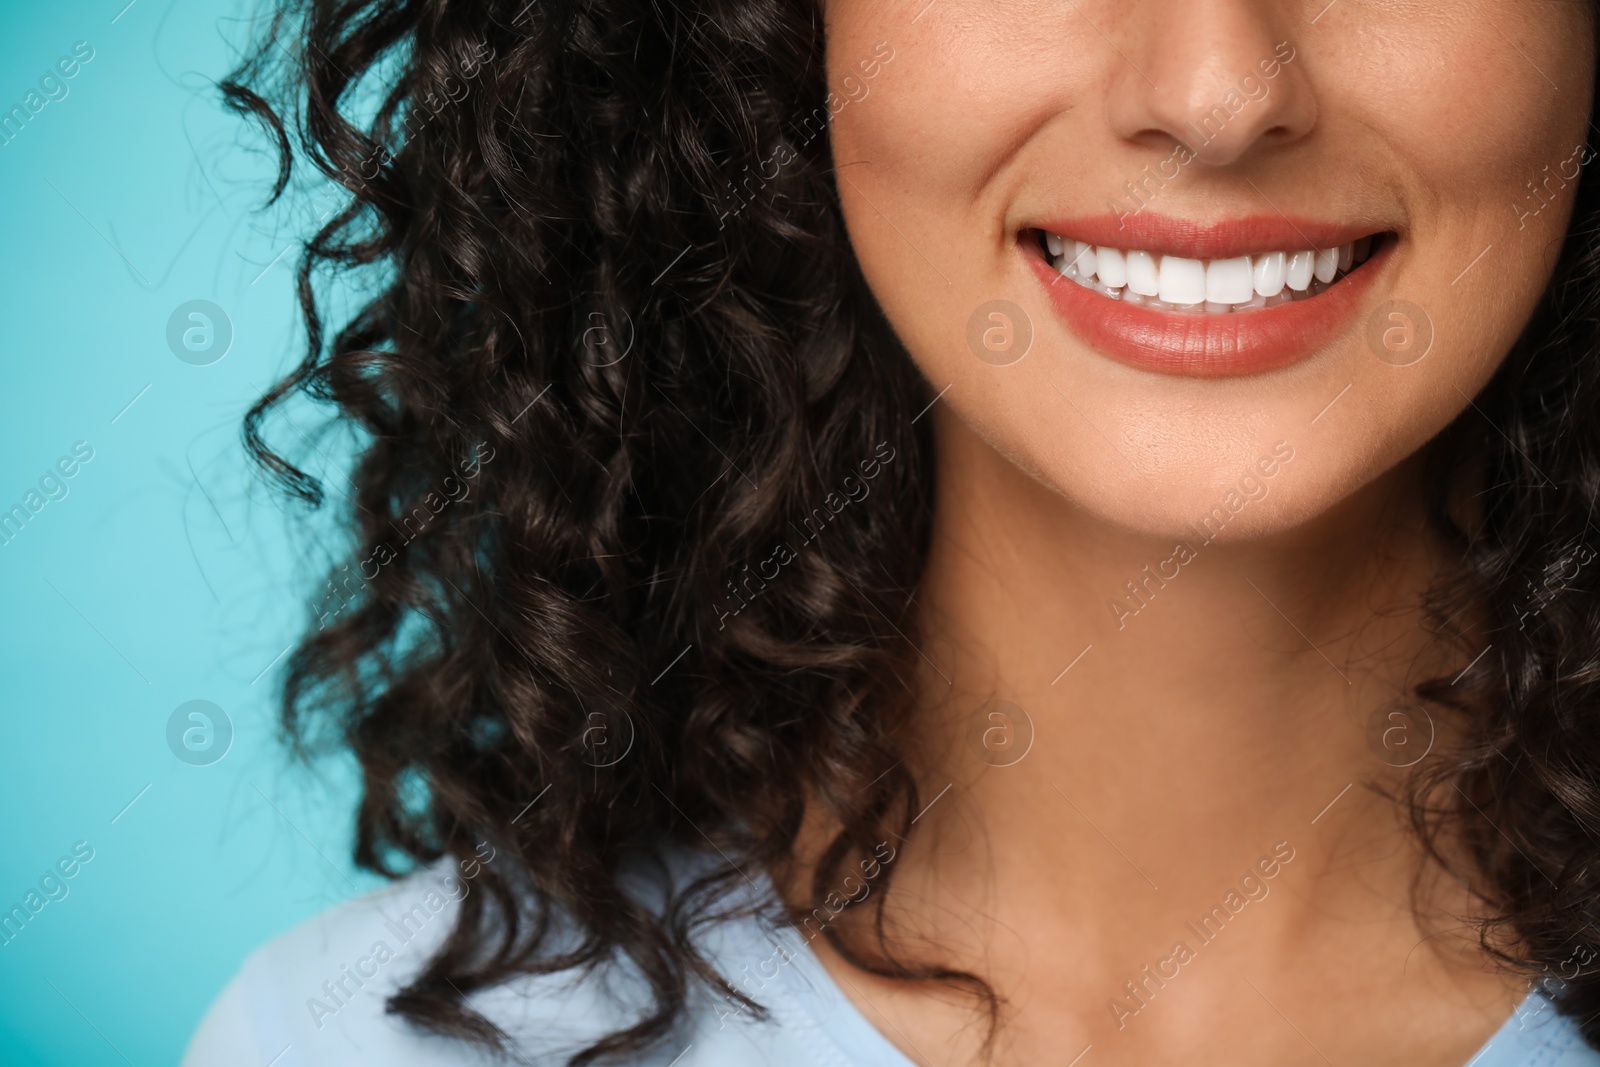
{"x":616,"y":295}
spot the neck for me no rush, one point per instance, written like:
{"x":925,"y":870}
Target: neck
{"x":1184,"y":707}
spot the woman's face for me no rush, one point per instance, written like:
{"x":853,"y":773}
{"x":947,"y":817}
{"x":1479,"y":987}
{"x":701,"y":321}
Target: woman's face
{"x":1039,"y":190}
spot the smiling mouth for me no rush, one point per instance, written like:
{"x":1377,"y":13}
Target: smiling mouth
{"x":1239,"y":284}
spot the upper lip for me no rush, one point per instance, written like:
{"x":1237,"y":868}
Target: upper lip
{"x":1222,"y":239}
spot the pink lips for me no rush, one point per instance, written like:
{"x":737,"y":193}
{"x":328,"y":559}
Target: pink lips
{"x":1167,"y":342}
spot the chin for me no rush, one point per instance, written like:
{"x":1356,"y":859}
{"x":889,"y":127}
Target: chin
{"x":1209,"y":491}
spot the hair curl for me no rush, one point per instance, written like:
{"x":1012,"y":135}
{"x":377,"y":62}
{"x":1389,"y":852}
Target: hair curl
{"x":653,"y":373}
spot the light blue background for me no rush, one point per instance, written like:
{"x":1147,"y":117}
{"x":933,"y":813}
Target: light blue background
{"x":166,"y":574}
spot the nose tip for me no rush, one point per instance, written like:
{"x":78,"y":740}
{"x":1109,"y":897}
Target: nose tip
{"x":1211,"y":75}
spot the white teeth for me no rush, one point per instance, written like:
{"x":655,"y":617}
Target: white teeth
{"x":1297,"y":275}
{"x":1270,"y":272}
{"x":1327,"y":264}
{"x":1085,"y":259}
{"x":1114,"y":292}
{"x":1143,"y":277}
{"x":1183,"y":281}
{"x":1228,"y":281}
{"x":1197,"y":287}
{"x":1113,"y":267}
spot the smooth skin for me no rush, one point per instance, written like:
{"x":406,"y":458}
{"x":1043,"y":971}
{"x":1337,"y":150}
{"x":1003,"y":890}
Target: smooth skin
{"x":1235,"y":707}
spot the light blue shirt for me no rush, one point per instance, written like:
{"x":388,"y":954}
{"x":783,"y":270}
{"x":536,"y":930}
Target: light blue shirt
{"x":314,"y":998}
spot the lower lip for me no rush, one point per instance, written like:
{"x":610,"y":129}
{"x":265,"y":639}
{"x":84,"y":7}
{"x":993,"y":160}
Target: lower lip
{"x":1210,"y":346}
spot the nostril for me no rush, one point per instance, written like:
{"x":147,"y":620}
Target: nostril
{"x":1221,"y":91}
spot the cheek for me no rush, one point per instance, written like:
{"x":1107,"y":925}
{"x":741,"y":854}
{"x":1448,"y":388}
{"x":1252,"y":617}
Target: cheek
{"x":1473,"y":111}
{"x":927,"y":164}
{"x":1487,"y":224}
{"x":893,"y":174}
{"x":919,"y":157}
{"x":1484,"y":125}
